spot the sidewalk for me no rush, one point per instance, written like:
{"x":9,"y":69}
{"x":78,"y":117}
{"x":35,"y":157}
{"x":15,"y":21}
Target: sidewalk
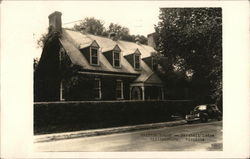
{"x":95,"y":132}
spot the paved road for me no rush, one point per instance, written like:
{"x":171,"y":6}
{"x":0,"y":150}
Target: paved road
{"x":199,"y":136}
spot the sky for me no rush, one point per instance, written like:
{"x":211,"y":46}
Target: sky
{"x":139,"y":16}
{"x":29,"y":19}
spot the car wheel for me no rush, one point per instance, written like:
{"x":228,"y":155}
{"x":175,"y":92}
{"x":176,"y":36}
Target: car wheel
{"x":203,"y":119}
{"x":219,"y":118}
{"x":189,"y":122}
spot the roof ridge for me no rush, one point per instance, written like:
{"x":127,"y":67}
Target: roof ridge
{"x":87,"y":33}
{"x":102,"y":36}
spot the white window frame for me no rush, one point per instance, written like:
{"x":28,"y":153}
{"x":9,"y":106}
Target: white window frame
{"x":90,"y":50}
{"x":99,"y":88}
{"x":152,"y":61}
{"x":121,"y":82}
{"x":139,"y":61}
{"x":62,"y":92}
{"x":113,"y":57}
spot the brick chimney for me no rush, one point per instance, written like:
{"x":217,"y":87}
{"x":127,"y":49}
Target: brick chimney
{"x":151,"y":40}
{"x":55,"y":22}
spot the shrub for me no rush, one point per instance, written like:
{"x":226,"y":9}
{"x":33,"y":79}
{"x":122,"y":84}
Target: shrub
{"x":52,"y":117}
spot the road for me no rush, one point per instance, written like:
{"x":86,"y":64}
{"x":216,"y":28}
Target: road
{"x":189,"y":137}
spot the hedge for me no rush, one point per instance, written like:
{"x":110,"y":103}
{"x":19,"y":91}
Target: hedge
{"x":51,"y":117}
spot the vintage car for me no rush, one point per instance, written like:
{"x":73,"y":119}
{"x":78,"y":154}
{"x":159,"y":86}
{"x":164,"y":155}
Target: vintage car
{"x":203,"y":113}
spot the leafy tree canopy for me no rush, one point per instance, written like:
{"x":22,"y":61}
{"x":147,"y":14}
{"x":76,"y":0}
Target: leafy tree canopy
{"x":190,"y":39}
{"x":91,"y":25}
{"x":96,"y":27}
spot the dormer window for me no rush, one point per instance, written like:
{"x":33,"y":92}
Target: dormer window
{"x":113,"y":55}
{"x":137,"y":61}
{"x":91,"y":52}
{"x":116,"y":59}
{"x":137,"y":58}
{"x":94,"y":56}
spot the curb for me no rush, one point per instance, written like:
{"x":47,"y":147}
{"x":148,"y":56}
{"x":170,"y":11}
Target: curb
{"x":96,"y":132}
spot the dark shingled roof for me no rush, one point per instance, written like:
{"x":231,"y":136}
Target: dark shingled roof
{"x":72,"y":41}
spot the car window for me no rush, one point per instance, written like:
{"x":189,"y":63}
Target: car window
{"x":201,"y":107}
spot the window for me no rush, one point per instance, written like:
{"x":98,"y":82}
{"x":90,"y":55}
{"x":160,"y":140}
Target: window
{"x":119,"y":89}
{"x":62,"y":92}
{"x":97,"y":88}
{"x":116,"y":59}
{"x":93,"y":56}
{"x":137,"y":61}
{"x":201,"y":107}
{"x":154,"y":64}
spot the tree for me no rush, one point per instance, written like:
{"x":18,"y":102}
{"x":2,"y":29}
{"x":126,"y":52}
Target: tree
{"x":122,"y":33}
{"x":96,"y":27}
{"x":91,"y":25}
{"x":45,"y":37}
{"x":35,"y":63}
{"x":142,"y":39}
{"x":191,"y":41}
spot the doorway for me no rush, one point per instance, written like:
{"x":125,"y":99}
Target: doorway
{"x":136,"y":93}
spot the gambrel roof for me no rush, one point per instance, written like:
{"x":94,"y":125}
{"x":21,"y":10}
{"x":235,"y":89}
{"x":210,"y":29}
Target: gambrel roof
{"x":73,"y":41}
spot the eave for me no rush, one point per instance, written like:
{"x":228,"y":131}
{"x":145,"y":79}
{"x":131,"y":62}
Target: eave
{"x":108,"y":73}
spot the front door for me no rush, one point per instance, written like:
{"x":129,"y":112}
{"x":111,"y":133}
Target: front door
{"x":136,"y":93}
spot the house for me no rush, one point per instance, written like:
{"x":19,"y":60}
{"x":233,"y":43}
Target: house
{"x":81,"y":66}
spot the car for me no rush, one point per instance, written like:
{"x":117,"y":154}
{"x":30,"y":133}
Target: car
{"x":203,"y":113}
